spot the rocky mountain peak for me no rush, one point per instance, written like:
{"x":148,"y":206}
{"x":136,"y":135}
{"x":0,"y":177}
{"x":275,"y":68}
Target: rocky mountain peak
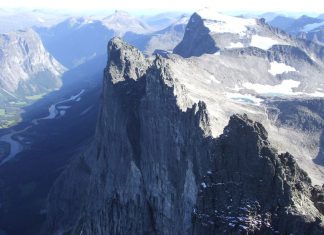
{"x":122,"y":22}
{"x":241,"y":123}
{"x":209,"y":31}
{"x":154,"y":167}
{"x":126,"y":62}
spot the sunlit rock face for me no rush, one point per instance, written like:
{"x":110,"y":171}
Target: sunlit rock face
{"x":26,"y":67}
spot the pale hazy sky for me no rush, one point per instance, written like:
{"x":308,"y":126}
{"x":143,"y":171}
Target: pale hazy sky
{"x":316,"y":6}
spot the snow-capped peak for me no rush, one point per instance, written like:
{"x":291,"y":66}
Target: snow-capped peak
{"x":219,"y":23}
{"x":79,"y":21}
{"x":122,"y":22}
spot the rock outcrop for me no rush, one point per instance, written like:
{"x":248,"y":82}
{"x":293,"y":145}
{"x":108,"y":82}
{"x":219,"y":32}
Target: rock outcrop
{"x":252,"y":189}
{"x":154,"y":167}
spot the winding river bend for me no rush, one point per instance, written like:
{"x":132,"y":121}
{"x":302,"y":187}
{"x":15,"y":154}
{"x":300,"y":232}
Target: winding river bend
{"x":54,"y":111}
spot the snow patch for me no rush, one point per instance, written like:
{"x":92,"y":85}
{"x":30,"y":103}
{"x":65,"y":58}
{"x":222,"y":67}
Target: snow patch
{"x":219,"y":23}
{"x":264,"y":43}
{"x":280,"y":68}
{"x":317,"y":94}
{"x":284,"y":88}
{"x":213,"y":79}
{"x":235,"y":45}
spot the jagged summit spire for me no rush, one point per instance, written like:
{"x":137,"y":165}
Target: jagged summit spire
{"x":125,"y":61}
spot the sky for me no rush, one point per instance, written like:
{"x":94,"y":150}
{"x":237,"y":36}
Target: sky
{"x":316,"y":6}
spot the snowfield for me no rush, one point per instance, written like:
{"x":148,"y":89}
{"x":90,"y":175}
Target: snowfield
{"x":280,"y":68}
{"x":284,"y":88}
{"x":264,"y":43}
{"x":218,"y":23}
{"x":236,"y":45}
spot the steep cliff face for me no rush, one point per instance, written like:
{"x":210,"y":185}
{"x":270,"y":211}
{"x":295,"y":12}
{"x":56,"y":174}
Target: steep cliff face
{"x":26,"y":67}
{"x":147,"y":159}
{"x":145,"y":171}
{"x":196,"y":42}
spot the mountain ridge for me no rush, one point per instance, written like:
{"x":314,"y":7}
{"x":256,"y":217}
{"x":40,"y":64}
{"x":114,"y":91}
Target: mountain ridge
{"x":132,"y":170}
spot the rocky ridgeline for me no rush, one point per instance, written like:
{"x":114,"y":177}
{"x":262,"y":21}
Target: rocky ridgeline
{"x":155,"y":169}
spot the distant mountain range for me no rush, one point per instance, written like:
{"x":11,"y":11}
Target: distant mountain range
{"x":202,"y":124}
{"x":305,"y":27}
{"x":77,"y":40}
{"x":165,"y":39}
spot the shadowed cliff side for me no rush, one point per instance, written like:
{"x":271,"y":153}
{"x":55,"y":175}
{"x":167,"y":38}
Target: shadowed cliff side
{"x":141,"y":174}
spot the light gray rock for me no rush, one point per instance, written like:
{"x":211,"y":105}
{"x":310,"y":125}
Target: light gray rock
{"x":26,"y":67}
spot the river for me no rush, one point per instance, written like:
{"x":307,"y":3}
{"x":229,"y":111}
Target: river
{"x":54,"y":111}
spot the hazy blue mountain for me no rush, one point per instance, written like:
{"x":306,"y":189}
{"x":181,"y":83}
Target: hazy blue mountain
{"x":165,"y":39}
{"x":303,"y":24}
{"x":305,"y":27}
{"x":79,"y":39}
{"x":268,"y":16}
{"x":121,"y":22}
{"x":281,"y":22}
{"x":162,"y":20}
{"x":75,"y":40}
{"x":321,"y":16}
